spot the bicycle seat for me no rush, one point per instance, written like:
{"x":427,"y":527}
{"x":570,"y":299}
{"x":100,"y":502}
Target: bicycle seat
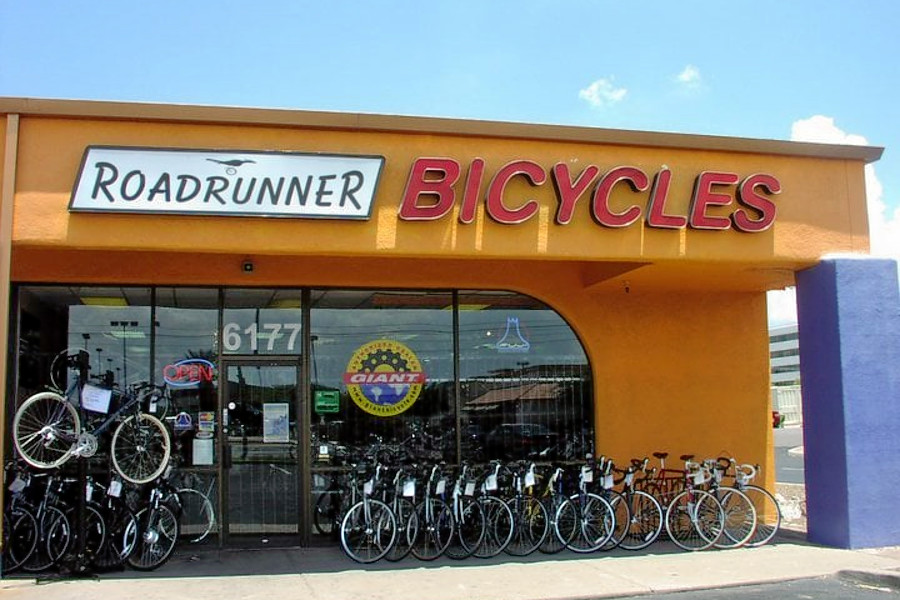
{"x":661,"y":455}
{"x":687,"y":457}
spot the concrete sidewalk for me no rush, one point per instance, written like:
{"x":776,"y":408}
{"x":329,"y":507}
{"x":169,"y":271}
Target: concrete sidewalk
{"x":326,"y":574}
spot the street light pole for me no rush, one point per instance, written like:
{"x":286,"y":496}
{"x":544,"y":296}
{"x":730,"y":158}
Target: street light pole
{"x":124,"y":325}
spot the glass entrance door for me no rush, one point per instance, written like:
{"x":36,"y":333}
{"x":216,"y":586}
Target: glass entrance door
{"x":260,"y":445}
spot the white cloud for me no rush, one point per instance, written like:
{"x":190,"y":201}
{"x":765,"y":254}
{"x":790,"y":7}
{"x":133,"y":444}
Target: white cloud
{"x":782,"y":306}
{"x":602,"y":93}
{"x":689,"y":77}
{"x":884,"y":224}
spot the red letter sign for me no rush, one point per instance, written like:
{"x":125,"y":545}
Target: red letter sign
{"x":419,"y":183}
{"x":495,"y":208}
{"x":568,"y":191}
{"x":704,"y":196}
{"x":600,"y":208}
{"x":748,"y":197}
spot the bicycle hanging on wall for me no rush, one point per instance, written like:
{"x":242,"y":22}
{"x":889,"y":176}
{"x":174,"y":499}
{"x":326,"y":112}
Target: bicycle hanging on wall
{"x":51,"y":427}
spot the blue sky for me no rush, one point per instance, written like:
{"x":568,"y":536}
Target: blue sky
{"x":797,"y":69}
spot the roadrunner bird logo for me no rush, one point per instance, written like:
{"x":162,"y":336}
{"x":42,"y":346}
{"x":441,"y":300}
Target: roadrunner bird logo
{"x":231,"y":165}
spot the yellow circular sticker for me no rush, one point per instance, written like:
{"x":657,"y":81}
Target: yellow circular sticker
{"x":384,"y":378}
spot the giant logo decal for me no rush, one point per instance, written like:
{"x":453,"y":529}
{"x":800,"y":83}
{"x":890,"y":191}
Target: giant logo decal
{"x":384,"y":378}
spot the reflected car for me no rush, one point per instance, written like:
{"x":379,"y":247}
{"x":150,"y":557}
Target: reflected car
{"x":512,"y":441}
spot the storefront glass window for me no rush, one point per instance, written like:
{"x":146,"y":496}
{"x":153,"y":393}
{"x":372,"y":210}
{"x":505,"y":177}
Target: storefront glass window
{"x":111,"y":324}
{"x":525,"y":390}
{"x":382,"y":375}
{"x":186,"y":364}
{"x":262,"y":322}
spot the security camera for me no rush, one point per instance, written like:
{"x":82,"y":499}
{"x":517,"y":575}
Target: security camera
{"x":247,"y":266}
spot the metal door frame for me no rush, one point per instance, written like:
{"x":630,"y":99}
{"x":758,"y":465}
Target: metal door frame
{"x":223,"y":450}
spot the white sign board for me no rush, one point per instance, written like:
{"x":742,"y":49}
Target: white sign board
{"x":226,"y":183}
{"x":276,"y":427}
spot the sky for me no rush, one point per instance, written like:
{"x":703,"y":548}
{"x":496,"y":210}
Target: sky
{"x":772,"y":69}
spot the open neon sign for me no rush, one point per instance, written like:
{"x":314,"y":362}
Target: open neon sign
{"x":189,"y":372}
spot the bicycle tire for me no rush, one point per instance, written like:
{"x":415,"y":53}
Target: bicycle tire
{"x":198,"y":515}
{"x":622,"y":516}
{"x":434,"y":534}
{"x":469,"y":532}
{"x":694,"y":520}
{"x":45,"y":428}
{"x":54,"y":537}
{"x":407,"y":529}
{"x":592,"y":523}
{"x":121,"y":538}
{"x":498,"y":531}
{"x":531,"y":524}
{"x":20,"y":535}
{"x":768,"y":515}
{"x":326,"y":513}
{"x":645,"y":521}
{"x":368,"y":540}
{"x":740,"y":518}
{"x":554,"y":541}
{"x":140,"y":448}
{"x":94,"y":530}
{"x":158,"y":535}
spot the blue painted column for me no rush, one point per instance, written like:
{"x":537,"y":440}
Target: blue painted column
{"x":848,"y":314}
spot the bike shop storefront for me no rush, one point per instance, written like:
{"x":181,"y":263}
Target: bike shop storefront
{"x":272,"y":393}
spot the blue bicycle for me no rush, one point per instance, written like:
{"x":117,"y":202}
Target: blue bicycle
{"x":49,"y":427}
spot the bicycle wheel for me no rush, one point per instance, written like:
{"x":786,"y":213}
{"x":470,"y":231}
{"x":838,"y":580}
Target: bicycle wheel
{"x":20,"y":535}
{"x":436,"y":529}
{"x":622,"y":515}
{"x":554,"y":541}
{"x":198,"y":516}
{"x":694,"y":520}
{"x":470,"y":527}
{"x":407,"y":529}
{"x":589,"y":520}
{"x":367,"y":538}
{"x":645,"y":521}
{"x":94,"y":530}
{"x":45,"y":429}
{"x":326,"y":513}
{"x":121,"y":537}
{"x":530,"y":525}
{"x":140,"y":448}
{"x":158,"y":534}
{"x":54,"y":537}
{"x":740,"y":518}
{"x":768,"y":515}
{"x":498,"y":530}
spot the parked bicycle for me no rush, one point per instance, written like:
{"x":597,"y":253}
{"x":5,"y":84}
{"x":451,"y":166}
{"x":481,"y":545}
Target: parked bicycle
{"x":51,"y":427}
{"x":158,"y":525}
{"x":368,"y":529}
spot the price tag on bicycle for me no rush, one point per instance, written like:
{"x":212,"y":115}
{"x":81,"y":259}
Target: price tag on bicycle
{"x":409,"y":488}
{"x":587,"y":474}
{"x":529,"y":477}
{"x":608,"y":482}
{"x":629,"y":479}
{"x":18,"y":484}
{"x":470,"y":488}
{"x":490,"y":483}
{"x":440,"y":488}
{"x":369,"y":487}
{"x":88,"y":491}
{"x":115,"y":488}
